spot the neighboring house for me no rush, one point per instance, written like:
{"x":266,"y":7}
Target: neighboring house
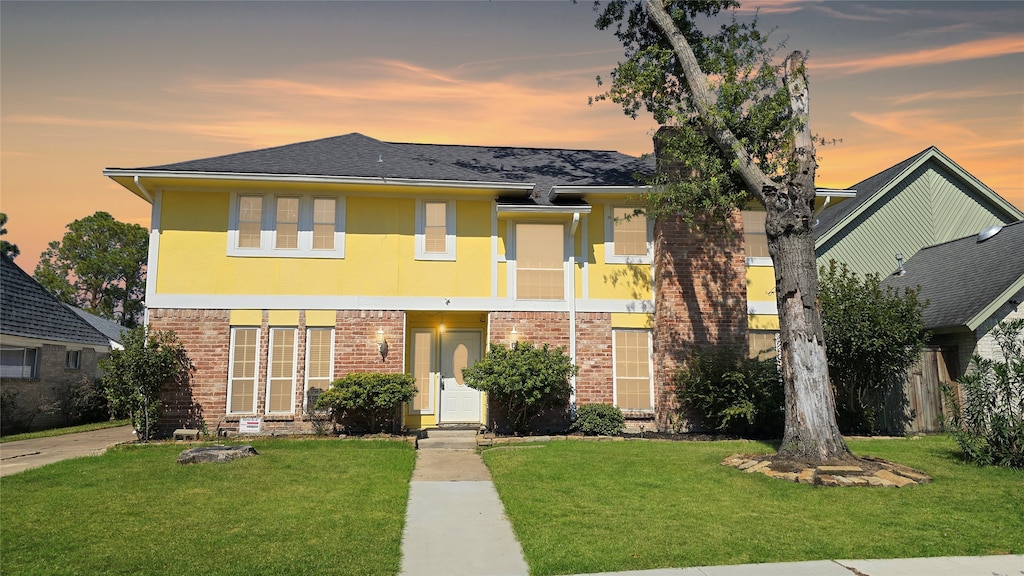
{"x":282,"y":269}
{"x":924,"y":200}
{"x":971,"y":284}
{"x":46,"y":347}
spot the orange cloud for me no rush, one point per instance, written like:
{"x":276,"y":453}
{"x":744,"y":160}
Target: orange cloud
{"x":974,"y":50}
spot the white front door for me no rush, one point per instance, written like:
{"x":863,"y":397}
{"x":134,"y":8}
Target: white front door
{"x":459,"y":403}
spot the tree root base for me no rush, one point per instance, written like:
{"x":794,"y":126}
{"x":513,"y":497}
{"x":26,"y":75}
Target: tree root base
{"x":852,"y":471}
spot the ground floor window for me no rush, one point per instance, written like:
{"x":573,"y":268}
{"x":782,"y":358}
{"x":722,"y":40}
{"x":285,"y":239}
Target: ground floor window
{"x":73,"y":359}
{"x":243,"y":368}
{"x":18,"y":362}
{"x":632,"y":358}
{"x":281,"y":381}
{"x":762,"y":343}
{"x":319,"y":362}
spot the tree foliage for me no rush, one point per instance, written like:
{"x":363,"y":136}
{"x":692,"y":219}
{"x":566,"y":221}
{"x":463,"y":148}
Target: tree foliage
{"x":133,"y":377}
{"x":739,"y":129}
{"x":6,"y":248}
{"x":987,"y":418}
{"x":523,"y":379}
{"x":99,"y":265}
{"x":370,"y":399}
{"x":873,"y":337}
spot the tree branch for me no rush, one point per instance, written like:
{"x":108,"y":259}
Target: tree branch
{"x":700,"y":92}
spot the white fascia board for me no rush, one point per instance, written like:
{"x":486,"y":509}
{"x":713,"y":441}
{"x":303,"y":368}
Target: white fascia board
{"x":762,"y":308}
{"x":599,"y":190}
{"x":835,"y":192}
{"x":315,"y":179}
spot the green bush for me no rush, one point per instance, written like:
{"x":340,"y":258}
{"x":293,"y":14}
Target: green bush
{"x":598,"y":420}
{"x":368,"y":400}
{"x":733,"y":393}
{"x":988,"y":423}
{"x":523,"y":379}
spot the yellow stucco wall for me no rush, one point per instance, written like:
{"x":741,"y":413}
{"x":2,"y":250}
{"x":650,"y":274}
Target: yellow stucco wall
{"x":613,"y":281}
{"x":760,"y":284}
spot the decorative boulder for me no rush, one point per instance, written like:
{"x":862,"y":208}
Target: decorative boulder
{"x":218,"y":453}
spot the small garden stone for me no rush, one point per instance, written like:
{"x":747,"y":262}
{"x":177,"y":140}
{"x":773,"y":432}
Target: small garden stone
{"x":217,"y":453}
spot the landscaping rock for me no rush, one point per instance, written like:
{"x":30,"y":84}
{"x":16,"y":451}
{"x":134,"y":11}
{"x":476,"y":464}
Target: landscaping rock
{"x":871,"y":472}
{"x":218,"y":453}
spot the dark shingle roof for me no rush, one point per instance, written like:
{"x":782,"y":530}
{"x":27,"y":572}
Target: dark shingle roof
{"x":356,"y":155}
{"x":112,"y":330}
{"x":28,"y":310}
{"x":866,"y":190}
{"x":961,"y":278}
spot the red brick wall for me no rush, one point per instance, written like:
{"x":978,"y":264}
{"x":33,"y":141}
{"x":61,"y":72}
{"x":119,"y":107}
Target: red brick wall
{"x":355,"y":341}
{"x":594,"y":357}
{"x":700,"y":295}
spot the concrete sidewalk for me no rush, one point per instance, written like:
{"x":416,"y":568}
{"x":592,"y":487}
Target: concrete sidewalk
{"x":944,"y":566}
{"x":455,"y":524}
{"x":25,"y":454}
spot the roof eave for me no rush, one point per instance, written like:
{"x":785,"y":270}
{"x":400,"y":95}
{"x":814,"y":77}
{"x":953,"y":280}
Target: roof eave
{"x":978,"y":319}
{"x":599,"y":190}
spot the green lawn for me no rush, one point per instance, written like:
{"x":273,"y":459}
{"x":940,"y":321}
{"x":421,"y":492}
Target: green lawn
{"x":300,"y":507}
{"x":580,"y":507}
{"x":65,"y":430}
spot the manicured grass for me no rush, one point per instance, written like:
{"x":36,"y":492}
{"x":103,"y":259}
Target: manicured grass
{"x":62,"y":431}
{"x":300,"y":507}
{"x":580,"y":507}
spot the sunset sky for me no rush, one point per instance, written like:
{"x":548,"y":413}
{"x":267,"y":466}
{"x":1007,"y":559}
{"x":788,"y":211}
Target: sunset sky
{"x":85,"y":86}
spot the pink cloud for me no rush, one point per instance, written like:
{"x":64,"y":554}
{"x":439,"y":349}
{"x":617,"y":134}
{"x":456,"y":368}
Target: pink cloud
{"x":974,"y":50}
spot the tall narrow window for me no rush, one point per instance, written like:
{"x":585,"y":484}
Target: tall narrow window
{"x":423,"y":369}
{"x":632,"y":358}
{"x":243,"y":369}
{"x":319,"y":361}
{"x":435,"y":230}
{"x":630,"y":232}
{"x":323,"y":223}
{"x":754,"y":238}
{"x":287,"y":235}
{"x":540,"y":254}
{"x":250,"y":221}
{"x":281,"y":380}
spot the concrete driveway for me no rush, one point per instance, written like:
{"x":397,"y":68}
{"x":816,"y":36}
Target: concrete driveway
{"x":25,"y":454}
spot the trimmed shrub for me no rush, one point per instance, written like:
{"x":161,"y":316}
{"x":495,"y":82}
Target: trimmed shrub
{"x":733,"y":393}
{"x":523,"y":379}
{"x":368,"y":401}
{"x":988,"y":423}
{"x":598,"y":420}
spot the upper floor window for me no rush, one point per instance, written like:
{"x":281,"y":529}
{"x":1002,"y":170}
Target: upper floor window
{"x":755,"y":240}
{"x":435,"y":230}
{"x":540,"y":259}
{"x":17,"y":362}
{"x":303,"y":226}
{"x":628,"y":237}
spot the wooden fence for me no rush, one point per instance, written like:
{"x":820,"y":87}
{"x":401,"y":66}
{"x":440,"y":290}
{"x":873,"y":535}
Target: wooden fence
{"x":919,"y":406}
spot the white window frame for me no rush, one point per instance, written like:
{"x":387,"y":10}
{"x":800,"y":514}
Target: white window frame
{"x":73,"y":359}
{"x":610,"y":257}
{"x":270,"y":369}
{"x":421,"y":225}
{"x":231,"y":371}
{"x":755,"y":260}
{"x":434,"y":371}
{"x":513,"y":260}
{"x":268,"y":237}
{"x":650,"y":368}
{"x":33,"y":368}
{"x":330,"y":377}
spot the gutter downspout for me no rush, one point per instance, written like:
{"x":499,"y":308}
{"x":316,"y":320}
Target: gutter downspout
{"x":572,"y":310}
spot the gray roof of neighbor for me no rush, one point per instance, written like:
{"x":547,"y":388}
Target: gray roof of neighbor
{"x":28,"y":310}
{"x":112,"y":330}
{"x":356,"y":155}
{"x":866,"y":189}
{"x":962,"y":277}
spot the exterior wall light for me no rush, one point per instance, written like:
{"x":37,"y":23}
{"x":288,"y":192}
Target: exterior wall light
{"x":382,"y":344}
{"x":513,"y":337}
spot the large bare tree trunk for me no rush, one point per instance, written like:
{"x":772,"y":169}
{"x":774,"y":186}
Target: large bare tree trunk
{"x":811,"y":431}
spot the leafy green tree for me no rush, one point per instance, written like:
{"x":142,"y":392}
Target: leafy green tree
{"x":133,"y":377}
{"x":987,"y":417}
{"x":523,"y":379}
{"x":370,"y":398}
{"x":6,"y":248}
{"x":873,"y":335}
{"x":739,"y":130}
{"x":99,"y":266}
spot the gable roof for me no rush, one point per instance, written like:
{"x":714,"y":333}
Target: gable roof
{"x":359,"y":156}
{"x":966,"y":280}
{"x":869,"y":191}
{"x":29,"y":310}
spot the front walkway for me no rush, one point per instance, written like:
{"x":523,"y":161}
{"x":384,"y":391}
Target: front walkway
{"x":455,"y":524}
{"x":25,"y":454}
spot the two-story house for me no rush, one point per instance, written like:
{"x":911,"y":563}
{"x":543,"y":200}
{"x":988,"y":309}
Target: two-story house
{"x":284,"y":268}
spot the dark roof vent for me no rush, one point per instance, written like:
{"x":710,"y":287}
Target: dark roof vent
{"x":989,"y":232}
